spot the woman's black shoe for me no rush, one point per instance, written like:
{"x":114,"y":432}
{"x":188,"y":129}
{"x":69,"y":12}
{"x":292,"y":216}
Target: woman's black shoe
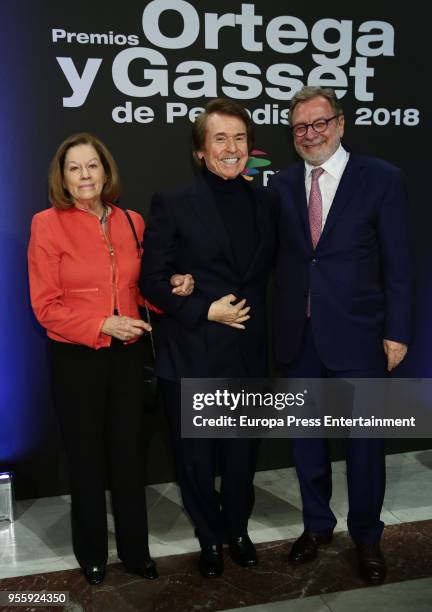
{"x":94,"y":573}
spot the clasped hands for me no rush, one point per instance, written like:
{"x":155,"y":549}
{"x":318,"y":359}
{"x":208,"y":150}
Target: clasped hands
{"x":127,"y":328}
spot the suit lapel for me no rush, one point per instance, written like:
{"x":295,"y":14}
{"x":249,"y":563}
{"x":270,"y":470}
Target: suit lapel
{"x":347,"y":188}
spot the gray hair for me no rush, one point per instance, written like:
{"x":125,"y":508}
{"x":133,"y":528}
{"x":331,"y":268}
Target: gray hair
{"x":309,"y":92}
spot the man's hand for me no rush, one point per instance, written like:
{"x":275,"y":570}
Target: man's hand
{"x":223,"y":311}
{"x":395,"y":352}
{"x":183,"y":284}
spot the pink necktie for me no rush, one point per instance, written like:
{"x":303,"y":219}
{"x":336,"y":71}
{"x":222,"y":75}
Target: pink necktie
{"x":315,"y":217}
{"x":315,"y":207}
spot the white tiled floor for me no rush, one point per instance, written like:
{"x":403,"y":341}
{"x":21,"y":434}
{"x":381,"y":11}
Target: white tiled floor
{"x":39,"y":540}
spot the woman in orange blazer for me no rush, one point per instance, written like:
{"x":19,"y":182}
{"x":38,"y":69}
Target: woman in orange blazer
{"x":84,"y":265}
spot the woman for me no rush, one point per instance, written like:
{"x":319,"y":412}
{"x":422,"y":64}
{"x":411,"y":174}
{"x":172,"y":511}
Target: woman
{"x":83,"y":268}
{"x":223,"y":232}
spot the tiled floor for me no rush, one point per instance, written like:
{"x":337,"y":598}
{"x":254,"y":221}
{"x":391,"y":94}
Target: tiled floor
{"x":410,"y":596}
{"x":39,"y":542}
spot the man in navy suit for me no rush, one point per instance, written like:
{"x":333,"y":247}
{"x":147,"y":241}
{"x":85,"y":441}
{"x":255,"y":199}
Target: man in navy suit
{"x":222,"y":232}
{"x":343,"y":305}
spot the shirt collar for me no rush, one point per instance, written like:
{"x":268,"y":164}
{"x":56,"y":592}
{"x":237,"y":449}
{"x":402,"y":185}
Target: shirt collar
{"x":335,"y":165}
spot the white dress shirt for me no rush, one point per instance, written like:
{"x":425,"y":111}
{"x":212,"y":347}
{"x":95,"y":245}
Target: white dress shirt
{"x":329,"y":180}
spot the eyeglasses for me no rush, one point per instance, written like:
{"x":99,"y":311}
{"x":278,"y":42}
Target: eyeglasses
{"x":319,"y":125}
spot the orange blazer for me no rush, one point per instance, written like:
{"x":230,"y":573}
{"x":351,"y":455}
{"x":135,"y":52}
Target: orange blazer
{"x":75,"y":281}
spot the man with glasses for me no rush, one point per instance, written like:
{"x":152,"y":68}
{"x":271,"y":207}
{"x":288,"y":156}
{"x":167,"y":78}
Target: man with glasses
{"x":343,"y":305}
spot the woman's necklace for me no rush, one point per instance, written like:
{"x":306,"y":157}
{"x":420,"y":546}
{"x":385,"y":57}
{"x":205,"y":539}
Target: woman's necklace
{"x":104,"y":214}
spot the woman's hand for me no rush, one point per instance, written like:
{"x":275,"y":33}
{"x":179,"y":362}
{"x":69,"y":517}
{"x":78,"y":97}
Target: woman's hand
{"x":223,"y":311}
{"x":183,"y":284}
{"x":124,"y":328}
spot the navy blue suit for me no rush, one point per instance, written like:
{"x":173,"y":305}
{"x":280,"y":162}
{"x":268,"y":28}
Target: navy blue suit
{"x":187,"y":234}
{"x":360,"y":282}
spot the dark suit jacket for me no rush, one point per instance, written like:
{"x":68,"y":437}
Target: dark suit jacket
{"x":185,"y":234}
{"x":359,"y":275}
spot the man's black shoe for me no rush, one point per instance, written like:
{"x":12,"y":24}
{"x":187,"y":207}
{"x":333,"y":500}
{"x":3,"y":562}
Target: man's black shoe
{"x":211,"y":561}
{"x":146,"y":570}
{"x":243,"y":551}
{"x":372,"y":565}
{"x":305,"y":548}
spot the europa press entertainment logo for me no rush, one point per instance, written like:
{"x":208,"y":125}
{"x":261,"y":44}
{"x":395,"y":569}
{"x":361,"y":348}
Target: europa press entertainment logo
{"x":255,"y":164}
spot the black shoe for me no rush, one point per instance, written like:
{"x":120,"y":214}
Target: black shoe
{"x":372,"y":565}
{"x":146,"y":570}
{"x":94,"y":573}
{"x":305,"y":548}
{"x":211,"y":561}
{"x":243,"y":551}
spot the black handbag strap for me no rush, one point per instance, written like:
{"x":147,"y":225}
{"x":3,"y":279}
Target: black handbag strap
{"x":131,"y":223}
{"x":138,"y":245}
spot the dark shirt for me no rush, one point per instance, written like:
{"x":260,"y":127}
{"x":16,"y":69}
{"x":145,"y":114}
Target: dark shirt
{"x":237,"y":209}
